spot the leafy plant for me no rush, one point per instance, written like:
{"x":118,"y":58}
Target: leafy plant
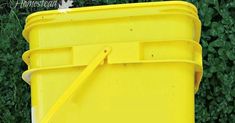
{"x":215,"y":100}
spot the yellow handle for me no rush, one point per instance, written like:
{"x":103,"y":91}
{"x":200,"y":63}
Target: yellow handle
{"x":78,"y":81}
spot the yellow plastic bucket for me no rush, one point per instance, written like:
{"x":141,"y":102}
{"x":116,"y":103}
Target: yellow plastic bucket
{"x":129,"y":63}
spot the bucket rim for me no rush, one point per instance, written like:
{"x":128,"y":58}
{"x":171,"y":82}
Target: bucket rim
{"x":114,"y":6}
{"x":35,"y":16}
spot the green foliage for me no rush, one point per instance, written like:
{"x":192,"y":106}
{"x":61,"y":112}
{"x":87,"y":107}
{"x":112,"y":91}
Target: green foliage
{"x":214,"y":101}
{"x":14,"y":93}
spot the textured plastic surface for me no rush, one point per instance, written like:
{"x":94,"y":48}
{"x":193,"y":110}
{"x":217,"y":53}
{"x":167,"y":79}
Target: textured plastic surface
{"x":130,"y":63}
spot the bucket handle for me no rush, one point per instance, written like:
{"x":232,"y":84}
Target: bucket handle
{"x":77,"y":82}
